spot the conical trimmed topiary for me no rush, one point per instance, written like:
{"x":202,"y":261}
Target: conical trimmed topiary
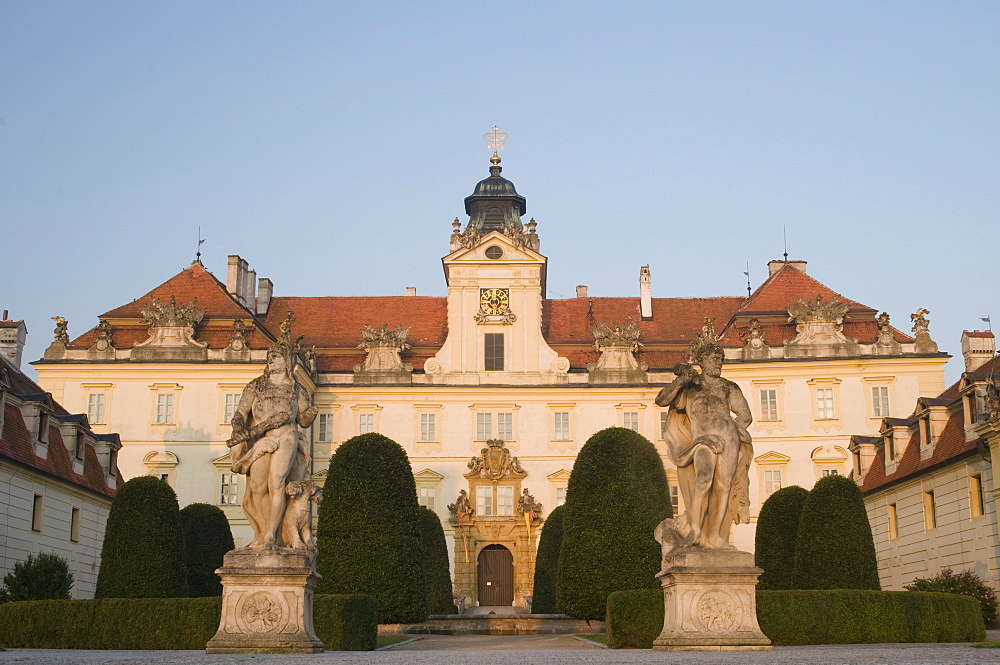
{"x":440,"y":597}
{"x":834,"y":548}
{"x":143,"y":553}
{"x":777,"y":529}
{"x":616,"y":496}
{"x":207,"y":538}
{"x":367,"y":536}
{"x":547,"y":564}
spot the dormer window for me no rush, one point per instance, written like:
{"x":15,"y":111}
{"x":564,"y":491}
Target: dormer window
{"x":890,"y":446}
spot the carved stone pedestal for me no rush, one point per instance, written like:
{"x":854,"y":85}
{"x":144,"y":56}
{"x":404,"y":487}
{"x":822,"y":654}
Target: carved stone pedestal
{"x":267,"y":603}
{"x":710,"y":603}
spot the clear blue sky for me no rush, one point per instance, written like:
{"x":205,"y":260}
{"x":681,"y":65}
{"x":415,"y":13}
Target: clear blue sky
{"x":331,"y":144}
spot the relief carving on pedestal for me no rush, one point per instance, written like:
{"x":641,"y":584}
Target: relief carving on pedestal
{"x":717,"y":611}
{"x":262,"y":612}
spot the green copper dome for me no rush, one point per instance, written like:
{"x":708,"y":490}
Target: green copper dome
{"x":493,"y":191}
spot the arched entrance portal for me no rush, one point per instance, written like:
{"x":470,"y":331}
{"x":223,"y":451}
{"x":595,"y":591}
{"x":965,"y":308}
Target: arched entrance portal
{"x":495,"y":574}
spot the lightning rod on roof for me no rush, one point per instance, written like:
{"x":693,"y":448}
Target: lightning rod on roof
{"x":201,"y":241}
{"x":747,"y":273}
{"x":784,"y":234}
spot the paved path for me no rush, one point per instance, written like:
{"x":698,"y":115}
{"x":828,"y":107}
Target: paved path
{"x":494,"y":643}
{"x":860,"y":654}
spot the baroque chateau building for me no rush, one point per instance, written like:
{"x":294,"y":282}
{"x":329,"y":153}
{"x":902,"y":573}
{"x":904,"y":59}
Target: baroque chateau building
{"x":491,"y":389}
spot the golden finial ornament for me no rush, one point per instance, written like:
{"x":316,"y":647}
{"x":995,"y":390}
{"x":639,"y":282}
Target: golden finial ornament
{"x":495,"y":142}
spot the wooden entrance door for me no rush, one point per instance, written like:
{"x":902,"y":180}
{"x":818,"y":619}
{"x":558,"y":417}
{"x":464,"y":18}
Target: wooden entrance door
{"x":495,"y":575}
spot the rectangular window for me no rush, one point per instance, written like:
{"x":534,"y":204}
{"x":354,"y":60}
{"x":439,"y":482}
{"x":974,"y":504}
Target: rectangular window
{"x":95,"y":408}
{"x":425,"y":496}
{"x":930,"y":518}
{"x":428,"y":427}
{"x":74,"y":525}
{"x":366,"y":423}
{"x":560,"y":496}
{"x":484,"y":501}
{"x":880,"y":401}
{"x":768,"y":404}
{"x":560,"y":426}
{"x":830,"y":472}
{"x":630,"y":420}
{"x":229,"y":490}
{"x":976,"y":506}
{"x":36,"y":513}
{"x":232,"y":401}
{"x":80,"y":445}
{"x":663,"y":422}
{"x":42,"y":434}
{"x":675,"y":500}
{"x":484,"y":426}
{"x":890,"y":446}
{"x":772,"y":482}
{"x":164,"y":409}
{"x":324,"y":432}
{"x":493,"y":343}
{"x":112,"y":462}
{"x":505,"y":426}
{"x":824,"y":404}
{"x":505,"y":500}
{"x":893,"y":522}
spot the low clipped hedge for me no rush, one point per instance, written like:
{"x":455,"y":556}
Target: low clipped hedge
{"x":830,"y":616}
{"x":343,"y":623}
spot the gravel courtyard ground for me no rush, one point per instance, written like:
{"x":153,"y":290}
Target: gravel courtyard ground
{"x":529,"y":650}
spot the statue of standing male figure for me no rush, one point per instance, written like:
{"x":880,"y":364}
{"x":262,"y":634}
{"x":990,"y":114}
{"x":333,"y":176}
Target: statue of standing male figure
{"x":267,"y":447}
{"x":707,"y":439}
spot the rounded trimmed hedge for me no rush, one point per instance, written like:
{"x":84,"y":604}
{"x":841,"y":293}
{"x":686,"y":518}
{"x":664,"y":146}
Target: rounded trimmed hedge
{"x":44,"y":576}
{"x":834,"y":547}
{"x":616,"y":496}
{"x":207,"y":538}
{"x":774,"y":543}
{"x":440,"y":596}
{"x":547,"y":564}
{"x":367,"y":536}
{"x":143,"y":553}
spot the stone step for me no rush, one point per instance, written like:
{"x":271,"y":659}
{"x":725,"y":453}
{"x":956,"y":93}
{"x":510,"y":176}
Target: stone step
{"x":518,"y":624}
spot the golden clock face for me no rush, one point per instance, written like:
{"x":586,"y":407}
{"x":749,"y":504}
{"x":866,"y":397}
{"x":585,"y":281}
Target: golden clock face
{"x":494,"y":302}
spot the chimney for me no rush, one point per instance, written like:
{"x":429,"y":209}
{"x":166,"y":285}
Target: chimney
{"x":12,"y":336}
{"x":645,"y":294}
{"x":265,"y":289}
{"x":251,"y":292}
{"x":775,"y":266}
{"x":977,"y":347}
{"x":581,"y":291}
{"x":411,"y":290}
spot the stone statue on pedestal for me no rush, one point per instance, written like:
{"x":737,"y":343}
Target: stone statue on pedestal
{"x":708,"y":585}
{"x":707,"y":439}
{"x":274,"y":577}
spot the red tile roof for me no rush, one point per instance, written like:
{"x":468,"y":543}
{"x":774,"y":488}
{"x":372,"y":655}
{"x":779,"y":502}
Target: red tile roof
{"x":16,"y":444}
{"x":334,"y":322}
{"x":978,"y":333}
{"x":784,"y":287}
{"x":190,"y":283}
